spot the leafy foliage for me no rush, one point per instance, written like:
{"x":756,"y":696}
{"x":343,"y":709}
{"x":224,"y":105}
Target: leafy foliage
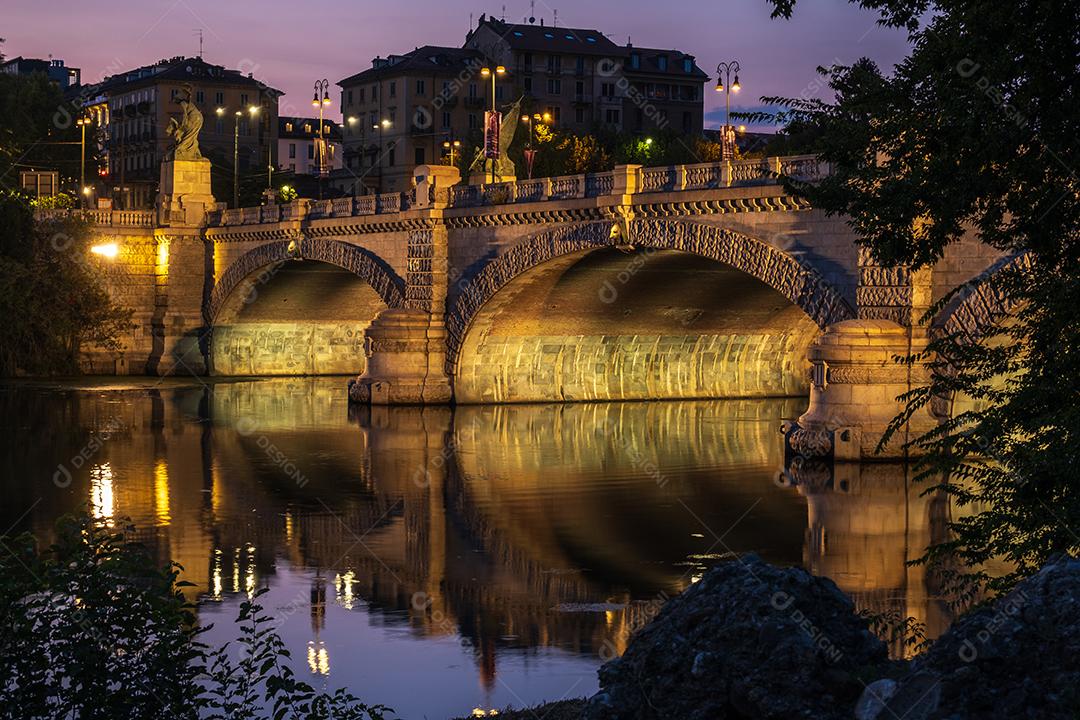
{"x":976,"y":132}
{"x":92,"y":628}
{"x":51,"y":293}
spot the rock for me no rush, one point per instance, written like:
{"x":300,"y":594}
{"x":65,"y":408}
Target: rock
{"x":746,"y":641}
{"x":1019,"y":657}
{"x":874,"y":698}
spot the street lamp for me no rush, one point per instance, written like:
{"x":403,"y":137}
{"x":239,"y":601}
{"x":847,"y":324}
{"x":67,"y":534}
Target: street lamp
{"x":82,"y":122}
{"x":726,"y":86}
{"x":383,"y":124}
{"x":487,"y":72}
{"x":530,"y":121}
{"x":253,"y":110}
{"x":321,"y":86}
{"x":451,"y":146}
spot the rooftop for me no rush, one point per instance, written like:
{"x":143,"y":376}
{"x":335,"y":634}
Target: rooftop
{"x":429,"y":59}
{"x":180,"y":69}
{"x":304,"y":128}
{"x":548,"y":38}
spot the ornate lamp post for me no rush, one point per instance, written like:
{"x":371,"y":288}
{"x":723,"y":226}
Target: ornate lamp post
{"x":383,"y":124}
{"x":253,"y":110}
{"x":321,"y":86}
{"x":488,"y":72}
{"x":451,"y":146}
{"x":724,"y":84}
{"x":82,"y":122}
{"x":530,"y":121}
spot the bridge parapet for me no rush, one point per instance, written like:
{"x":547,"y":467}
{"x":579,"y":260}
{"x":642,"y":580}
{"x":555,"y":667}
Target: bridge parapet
{"x":105,"y":218}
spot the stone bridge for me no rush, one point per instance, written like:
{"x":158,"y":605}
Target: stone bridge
{"x":695,"y":281}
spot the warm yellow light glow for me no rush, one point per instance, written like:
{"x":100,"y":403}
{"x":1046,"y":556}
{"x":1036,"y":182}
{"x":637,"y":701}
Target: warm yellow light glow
{"x":108,"y":250}
{"x":101,"y":492}
{"x":735,"y":86}
{"x":742,"y":128}
{"x":318,"y":658}
{"x":547,"y":117}
{"x":484,"y":72}
{"x":220,"y":111}
{"x":352,"y":119}
{"x":254,"y":109}
{"x":719,"y":87}
{"x":161,"y":493}
{"x":648,"y":141}
{"x":386,"y":123}
{"x":500,"y":70}
{"x":86,"y":190}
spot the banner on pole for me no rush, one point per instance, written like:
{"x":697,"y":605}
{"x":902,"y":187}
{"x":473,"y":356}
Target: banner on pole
{"x":492,"y":121}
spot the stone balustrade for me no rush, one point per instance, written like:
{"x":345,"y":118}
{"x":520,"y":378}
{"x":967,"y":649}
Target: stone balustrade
{"x":109,"y":218}
{"x":632,"y":178}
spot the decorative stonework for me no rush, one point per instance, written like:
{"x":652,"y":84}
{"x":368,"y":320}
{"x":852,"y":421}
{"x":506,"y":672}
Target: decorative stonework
{"x":353,"y":258}
{"x":894,"y":293}
{"x":983,"y":306}
{"x":803,"y":286}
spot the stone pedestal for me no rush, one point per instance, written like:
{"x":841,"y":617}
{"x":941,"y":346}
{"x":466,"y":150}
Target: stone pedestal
{"x":406,"y":361}
{"x":184,"y":196}
{"x":854,"y":386}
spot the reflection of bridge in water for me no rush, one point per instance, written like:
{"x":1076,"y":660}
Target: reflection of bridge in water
{"x":525,"y":526}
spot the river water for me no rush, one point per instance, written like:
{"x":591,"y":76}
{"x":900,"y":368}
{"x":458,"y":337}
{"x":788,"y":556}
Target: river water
{"x":439,"y":560}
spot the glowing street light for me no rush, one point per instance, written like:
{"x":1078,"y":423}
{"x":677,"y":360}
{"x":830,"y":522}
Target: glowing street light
{"x":106,"y":250}
{"x":82,"y":122}
{"x":726,"y":86}
{"x":253,"y":110}
{"x":488,"y":72}
{"x":451,"y":146}
{"x":321,"y":86}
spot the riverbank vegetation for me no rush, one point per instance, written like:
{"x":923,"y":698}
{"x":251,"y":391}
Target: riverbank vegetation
{"x":976,"y":132}
{"x":91,"y":627}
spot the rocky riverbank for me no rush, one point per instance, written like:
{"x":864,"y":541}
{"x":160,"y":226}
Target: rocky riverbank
{"x":753,"y":641}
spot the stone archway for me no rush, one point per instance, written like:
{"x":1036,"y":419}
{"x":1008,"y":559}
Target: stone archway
{"x":983,"y":306}
{"x":268,"y":316}
{"x":356,"y":260}
{"x":803,"y":286}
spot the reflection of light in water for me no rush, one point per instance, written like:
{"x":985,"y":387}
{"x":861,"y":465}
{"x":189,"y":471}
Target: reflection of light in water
{"x":481,"y":712}
{"x":249,"y":576}
{"x":288,"y":526}
{"x":161,"y":493}
{"x":217,"y":573}
{"x":318,"y":659}
{"x":101,"y":491}
{"x":343,"y":589}
{"x":694,"y":578}
{"x":236,"y":570}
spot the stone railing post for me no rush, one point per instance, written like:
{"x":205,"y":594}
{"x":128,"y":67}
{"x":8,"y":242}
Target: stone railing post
{"x":627,"y":180}
{"x":433,"y":183}
{"x":680,"y":177}
{"x":725,"y":173}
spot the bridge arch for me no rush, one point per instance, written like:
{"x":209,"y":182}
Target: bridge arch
{"x":774,"y":271}
{"x":269,"y":316}
{"x":983,"y":306}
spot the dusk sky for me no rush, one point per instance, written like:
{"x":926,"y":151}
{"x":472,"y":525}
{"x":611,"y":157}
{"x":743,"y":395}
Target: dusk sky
{"x":289,"y":45}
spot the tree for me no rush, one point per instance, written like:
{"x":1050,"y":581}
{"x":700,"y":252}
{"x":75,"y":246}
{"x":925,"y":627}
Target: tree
{"x":52,"y":294}
{"x":92,"y":627}
{"x":976,"y":131}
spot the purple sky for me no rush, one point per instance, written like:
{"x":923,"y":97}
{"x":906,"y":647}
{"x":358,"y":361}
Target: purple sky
{"x":291,"y":44}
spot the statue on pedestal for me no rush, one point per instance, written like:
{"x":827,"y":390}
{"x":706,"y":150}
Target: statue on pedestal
{"x":504,"y":166}
{"x":185,"y":132}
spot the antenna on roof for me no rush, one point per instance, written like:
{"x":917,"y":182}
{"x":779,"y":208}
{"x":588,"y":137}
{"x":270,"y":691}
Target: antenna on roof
{"x":532,"y":12}
{"x":198,"y":31}
{"x":503,"y":18}
{"x":555,"y":22}
{"x":470,"y":22}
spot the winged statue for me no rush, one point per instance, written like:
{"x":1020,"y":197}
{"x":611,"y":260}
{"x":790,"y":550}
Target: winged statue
{"x":504,"y":166}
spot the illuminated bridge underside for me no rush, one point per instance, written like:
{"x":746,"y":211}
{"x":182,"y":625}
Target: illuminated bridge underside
{"x":609,"y":325}
{"x":297,"y":318}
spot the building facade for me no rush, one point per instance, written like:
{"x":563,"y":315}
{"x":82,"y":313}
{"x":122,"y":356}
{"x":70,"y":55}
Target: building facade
{"x":132,"y":109}
{"x":65,"y":77}
{"x":400,"y":111}
{"x":298,"y":145}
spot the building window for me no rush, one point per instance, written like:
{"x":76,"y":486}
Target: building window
{"x":361,"y":96}
{"x":555,"y":112}
{"x":292,"y":150}
{"x":579,"y":67}
{"x":393,"y":88}
{"x":687,"y":65}
{"x":473,"y":122}
{"x":607,"y":89}
{"x":350,"y":97}
{"x":635,"y":60}
{"x":612,"y":117}
{"x":472,"y":90}
{"x":419,"y":156}
{"x":554,"y":64}
{"x":498,"y":92}
{"x":288,"y":127}
{"x":199,"y":97}
{"x":420,"y":88}
{"x":292,"y":167}
{"x":687,"y":122}
{"x":219,"y":126}
{"x":445,"y":119}
{"x":219,"y":98}
{"x":374,"y":92}
{"x":390,"y":158}
{"x":579,"y":115}
{"x":527,"y":61}
{"x":554,"y":86}
{"x":661,"y":62}
{"x":311,"y":151}
{"x":243,"y":100}
{"x":579,"y":89}
{"x":307,"y":128}
{"x":526,"y":84}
